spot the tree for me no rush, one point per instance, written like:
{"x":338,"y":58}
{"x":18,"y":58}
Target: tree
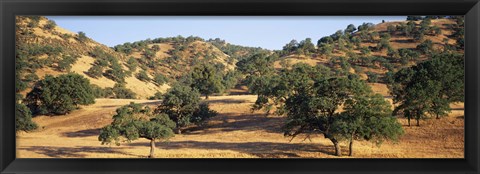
{"x":132,"y":64}
{"x":206,"y":80}
{"x":135,"y":121}
{"x":60,"y":95}
{"x":366,"y":117}
{"x":350,"y":29}
{"x":120,"y":91}
{"x":307,"y":46}
{"x":23,"y":116}
{"x":313,"y":110}
{"x":254,"y":68}
{"x":391,"y":29}
{"x":82,"y":37}
{"x":66,"y":63}
{"x":182,"y":105}
{"x":50,"y":25}
{"x":160,"y":79}
{"x":425,"y":47}
{"x":372,"y":77}
{"x":429,"y":87}
{"x":414,"y":18}
{"x":142,"y":75}
{"x":95,"y":71}
{"x":291,"y":46}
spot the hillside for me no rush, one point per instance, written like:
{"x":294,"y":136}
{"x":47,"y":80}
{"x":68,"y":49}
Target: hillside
{"x":50,"y":49}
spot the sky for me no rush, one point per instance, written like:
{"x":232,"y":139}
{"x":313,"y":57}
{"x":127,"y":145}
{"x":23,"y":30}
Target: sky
{"x":270,"y":32}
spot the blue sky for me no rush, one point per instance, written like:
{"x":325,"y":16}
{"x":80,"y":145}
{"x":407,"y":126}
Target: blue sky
{"x":271,"y":32}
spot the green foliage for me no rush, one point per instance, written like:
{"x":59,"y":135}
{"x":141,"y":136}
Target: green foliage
{"x":391,"y":29}
{"x":372,"y":77}
{"x":160,"y":79}
{"x":142,"y":75}
{"x":407,"y":55}
{"x":60,"y":95}
{"x":116,"y":73}
{"x":120,"y":91}
{"x":66,"y":63}
{"x":132,"y":64}
{"x":95,"y":71}
{"x":23,"y":117}
{"x":312,"y":110}
{"x":429,"y":86}
{"x":206,"y":79}
{"x":135,"y":121}
{"x":82,"y":37}
{"x":366,"y":118}
{"x":50,"y":25}
{"x":157,"y":96}
{"x":181,"y":103}
{"x":425,"y":47}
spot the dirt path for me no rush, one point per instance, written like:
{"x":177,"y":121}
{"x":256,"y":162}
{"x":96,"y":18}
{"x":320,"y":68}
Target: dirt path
{"x":235,"y":133}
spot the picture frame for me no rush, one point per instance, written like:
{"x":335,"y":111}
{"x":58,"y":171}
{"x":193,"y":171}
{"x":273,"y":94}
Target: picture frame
{"x":9,"y":9}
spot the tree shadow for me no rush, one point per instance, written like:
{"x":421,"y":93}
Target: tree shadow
{"x":74,"y":152}
{"x":227,"y":101}
{"x":403,"y":40}
{"x":83,"y":133}
{"x":259,"y":149}
{"x":245,"y":122}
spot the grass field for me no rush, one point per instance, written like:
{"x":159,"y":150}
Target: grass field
{"x":235,"y":133}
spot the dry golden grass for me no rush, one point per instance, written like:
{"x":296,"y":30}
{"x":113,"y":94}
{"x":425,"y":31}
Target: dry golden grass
{"x":235,"y":133}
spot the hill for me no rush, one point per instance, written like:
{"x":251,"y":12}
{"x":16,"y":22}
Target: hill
{"x":144,"y":67}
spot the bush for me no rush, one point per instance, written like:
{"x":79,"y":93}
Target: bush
{"x":120,"y":91}
{"x":372,"y":77}
{"x":66,"y":63}
{"x":95,"y":71}
{"x":23,"y":118}
{"x":82,"y":37}
{"x":425,"y":47}
{"x":157,"y":96}
{"x":60,"y":95}
{"x":50,"y":25}
{"x":142,"y":75}
{"x":160,"y":79}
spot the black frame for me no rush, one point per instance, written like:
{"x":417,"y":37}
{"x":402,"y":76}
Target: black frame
{"x":10,"y":8}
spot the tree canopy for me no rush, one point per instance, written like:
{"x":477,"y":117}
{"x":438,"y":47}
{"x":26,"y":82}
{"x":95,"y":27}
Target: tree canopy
{"x":60,"y":95}
{"x":135,"y":121}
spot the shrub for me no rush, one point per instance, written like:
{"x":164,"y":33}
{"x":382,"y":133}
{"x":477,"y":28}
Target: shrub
{"x":50,"y":25}
{"x":372,"y":77}
{"x":60,"y":95}
{"x":23,"y":118}
{"x":95,"y":71}
{"x":160,"y":79}
{"x":120,"y":91}
{"x":142,"y":75}
{"x":157,"y":96}
{"x":82,"y":37}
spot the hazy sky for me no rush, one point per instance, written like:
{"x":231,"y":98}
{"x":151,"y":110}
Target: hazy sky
{"x":271,"y":32}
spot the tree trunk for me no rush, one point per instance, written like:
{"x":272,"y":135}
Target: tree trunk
{"x":437,"y":116}
{"x":418,"y":122}
{"x":206,"y":97}
{"x":338,"y":151}
{"x":178,"y":130}
{"x":350,"y":146}
{"x":408,"y":118}
{"x":152,"y":148}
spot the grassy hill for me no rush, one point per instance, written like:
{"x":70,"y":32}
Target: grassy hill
{"x":147,"y":67}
